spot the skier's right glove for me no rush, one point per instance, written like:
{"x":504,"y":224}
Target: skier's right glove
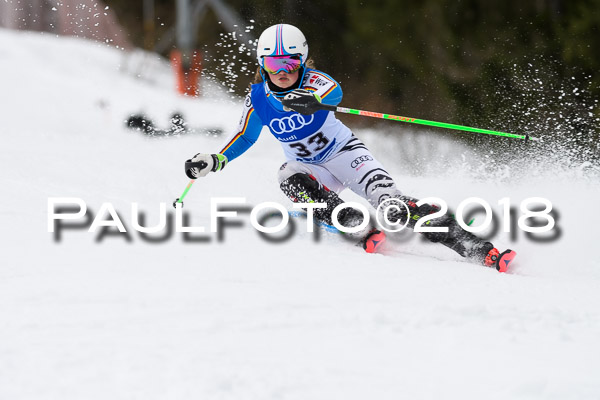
{"x":302,"y":101}
{"x":202,"y":164}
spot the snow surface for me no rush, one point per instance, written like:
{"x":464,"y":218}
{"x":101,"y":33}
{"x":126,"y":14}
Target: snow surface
{"x":243,"y":318}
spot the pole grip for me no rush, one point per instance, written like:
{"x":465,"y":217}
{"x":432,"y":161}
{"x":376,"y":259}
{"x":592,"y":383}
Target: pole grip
{"x":195,"y":164}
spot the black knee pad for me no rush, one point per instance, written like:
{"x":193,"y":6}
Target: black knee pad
{"x":304,"y":188}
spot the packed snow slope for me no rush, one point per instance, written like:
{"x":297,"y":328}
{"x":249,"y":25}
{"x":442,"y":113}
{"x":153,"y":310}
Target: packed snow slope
{"x":119,"y":317}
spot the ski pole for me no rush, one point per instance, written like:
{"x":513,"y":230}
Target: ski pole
{"x":422,"y":122}
{"x":187,"y":189}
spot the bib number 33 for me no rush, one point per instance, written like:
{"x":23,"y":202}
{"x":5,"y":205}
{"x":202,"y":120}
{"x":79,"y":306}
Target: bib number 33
{"x":314,"y":144}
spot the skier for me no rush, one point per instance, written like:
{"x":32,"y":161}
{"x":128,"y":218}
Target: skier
{"x":323,"y":156}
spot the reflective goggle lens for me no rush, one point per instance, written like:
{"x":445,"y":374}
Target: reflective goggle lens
{"x":275,"y":64}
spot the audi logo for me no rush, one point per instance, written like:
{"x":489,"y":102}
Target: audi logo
{"x":359,"y":160}
{"x":290,"y":123}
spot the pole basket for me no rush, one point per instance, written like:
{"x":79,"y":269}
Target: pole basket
{"x":187,"y":66}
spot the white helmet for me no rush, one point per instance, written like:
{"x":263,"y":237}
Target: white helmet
{"x":281,"y":40}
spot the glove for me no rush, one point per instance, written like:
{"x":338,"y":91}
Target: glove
{"x":202,"y":164}
{"x":303,"y":102}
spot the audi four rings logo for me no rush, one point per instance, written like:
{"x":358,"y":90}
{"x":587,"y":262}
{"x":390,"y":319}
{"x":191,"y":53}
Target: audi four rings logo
{"x":360,"y":160}
{"x":290,"y":123}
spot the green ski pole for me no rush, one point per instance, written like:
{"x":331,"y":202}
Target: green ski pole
{"x":422,"y":122}
{"x":185,"y":192}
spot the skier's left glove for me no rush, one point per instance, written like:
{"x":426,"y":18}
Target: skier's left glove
{"x":302,"y":101}
{"x":202,"y":164}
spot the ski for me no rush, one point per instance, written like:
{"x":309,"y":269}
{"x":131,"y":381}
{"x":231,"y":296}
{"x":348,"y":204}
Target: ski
{"x":373,"y":242}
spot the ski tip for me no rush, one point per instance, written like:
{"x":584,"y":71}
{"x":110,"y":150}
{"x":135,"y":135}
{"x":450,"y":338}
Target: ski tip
{"x":504,"y":260}
{"x":373,"y":241}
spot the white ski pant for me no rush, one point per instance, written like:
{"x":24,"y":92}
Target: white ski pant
{"x":353,"y":167}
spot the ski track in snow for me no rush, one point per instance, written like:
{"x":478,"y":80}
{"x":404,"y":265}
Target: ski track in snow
{"x":243,"y":318}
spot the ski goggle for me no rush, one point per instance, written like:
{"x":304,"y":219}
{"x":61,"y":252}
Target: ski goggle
{"x":276,"y":64}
